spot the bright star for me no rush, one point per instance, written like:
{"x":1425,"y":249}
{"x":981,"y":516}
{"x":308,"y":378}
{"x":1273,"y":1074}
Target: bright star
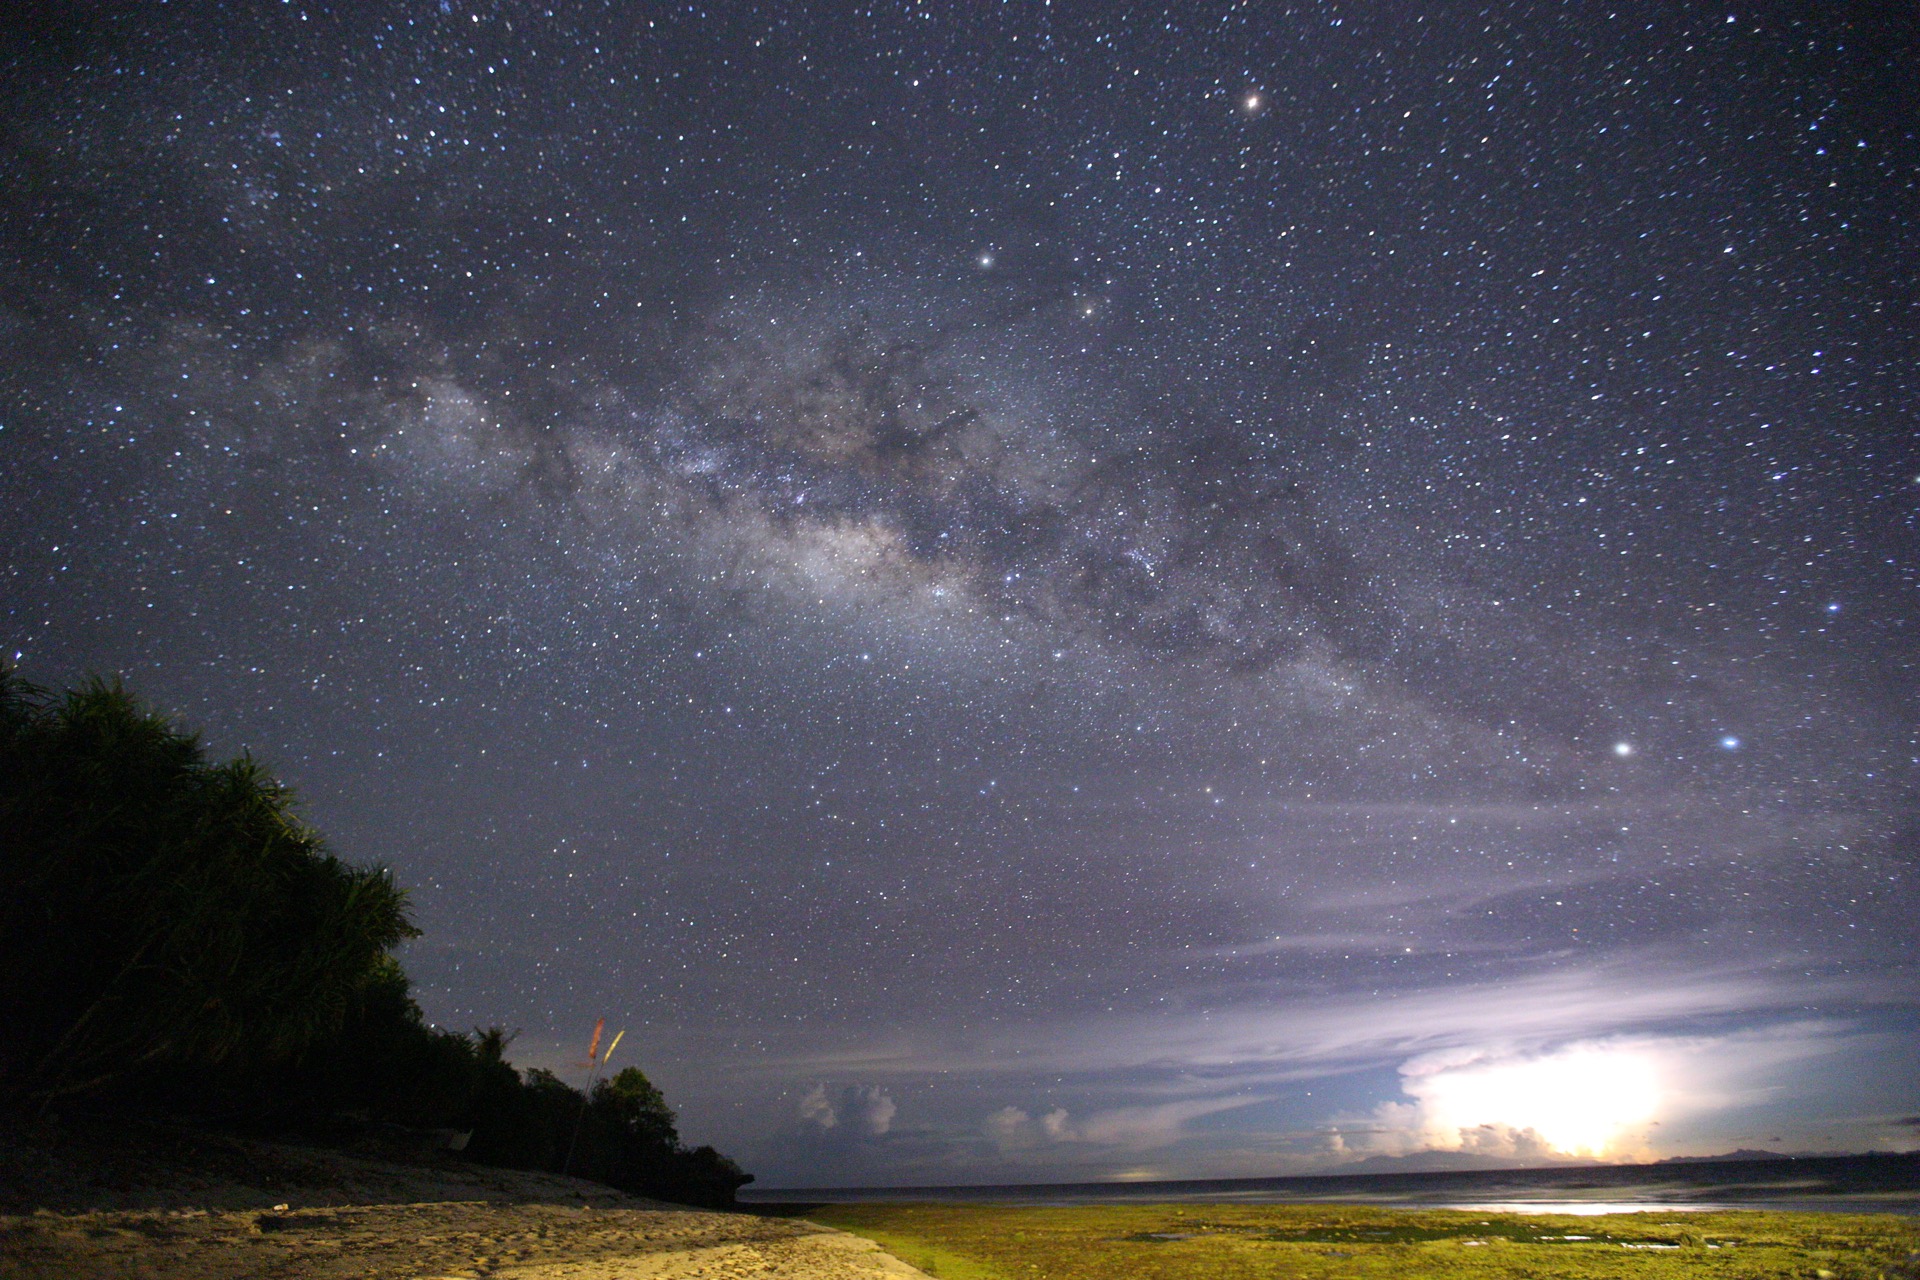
{"x":1623,"y":749}
{"x":1730,"y":743}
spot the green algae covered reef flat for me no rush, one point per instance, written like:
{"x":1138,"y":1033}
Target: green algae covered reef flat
{"x":1229,"y":1242}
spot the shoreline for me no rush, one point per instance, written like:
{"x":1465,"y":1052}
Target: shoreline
{"x":98,"y":1199}
{"x":1879,"y":1182}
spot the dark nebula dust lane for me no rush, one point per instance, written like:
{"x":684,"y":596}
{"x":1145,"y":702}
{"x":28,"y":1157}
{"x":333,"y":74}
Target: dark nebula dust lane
{"x":1028,"y":594}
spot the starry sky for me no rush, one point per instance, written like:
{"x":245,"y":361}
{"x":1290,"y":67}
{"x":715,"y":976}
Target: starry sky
{"x":1028,"y":591}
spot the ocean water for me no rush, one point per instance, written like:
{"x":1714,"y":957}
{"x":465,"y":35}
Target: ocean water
{"x":1833,"y":1184}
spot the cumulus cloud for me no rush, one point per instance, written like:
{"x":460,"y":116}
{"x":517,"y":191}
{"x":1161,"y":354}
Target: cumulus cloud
{"x":1010,"y":1128}
{"x":1137,"y":1128}
{"x":817,"y":1109}
{"x":876,"y":1111}
{"x":870,"y":1110}
{"x":1013,"y":1129}
{"x":1515,"y":1071}
{"x":1597,"y":1098}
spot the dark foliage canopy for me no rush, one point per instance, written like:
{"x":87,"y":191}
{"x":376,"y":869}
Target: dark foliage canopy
{"x":159,"y":907}
{"x":172,"y":936}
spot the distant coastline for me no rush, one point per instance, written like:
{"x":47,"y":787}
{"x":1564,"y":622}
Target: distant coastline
{"x":1873,"y":1182}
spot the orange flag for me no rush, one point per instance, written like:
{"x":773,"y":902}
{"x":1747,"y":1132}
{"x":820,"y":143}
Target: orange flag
{"x":593,"y":1049}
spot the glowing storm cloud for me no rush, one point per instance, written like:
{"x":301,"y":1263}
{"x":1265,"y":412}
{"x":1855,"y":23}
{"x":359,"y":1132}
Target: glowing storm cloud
{"x":1587,"y":1100}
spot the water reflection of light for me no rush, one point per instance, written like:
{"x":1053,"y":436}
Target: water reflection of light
{"x":1575,"y":1208}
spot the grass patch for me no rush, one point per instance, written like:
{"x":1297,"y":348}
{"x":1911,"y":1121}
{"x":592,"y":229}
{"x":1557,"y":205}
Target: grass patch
{"x":1229,"y":1242}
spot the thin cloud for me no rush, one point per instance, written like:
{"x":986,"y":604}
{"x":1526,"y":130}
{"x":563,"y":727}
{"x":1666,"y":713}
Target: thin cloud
{"x":1340,"y":1034}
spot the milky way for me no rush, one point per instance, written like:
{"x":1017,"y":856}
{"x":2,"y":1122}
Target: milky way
{"x":1027,"y":595}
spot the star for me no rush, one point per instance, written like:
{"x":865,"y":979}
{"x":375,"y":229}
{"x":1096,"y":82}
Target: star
{"x":615,"y":473}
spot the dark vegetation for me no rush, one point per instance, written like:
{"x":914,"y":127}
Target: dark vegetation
{"x":174,"y":939}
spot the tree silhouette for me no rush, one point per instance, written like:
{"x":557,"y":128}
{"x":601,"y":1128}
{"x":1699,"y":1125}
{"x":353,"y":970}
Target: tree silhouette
{"x":171,"y":934}
{"x":156,"y":907}
{"x":637,"y":1107}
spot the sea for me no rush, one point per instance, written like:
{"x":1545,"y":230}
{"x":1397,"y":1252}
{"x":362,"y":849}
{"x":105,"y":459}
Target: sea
{"x":1878,"y":1183}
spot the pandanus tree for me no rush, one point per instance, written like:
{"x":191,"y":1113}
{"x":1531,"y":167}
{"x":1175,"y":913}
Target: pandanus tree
{"x":156,"y":906}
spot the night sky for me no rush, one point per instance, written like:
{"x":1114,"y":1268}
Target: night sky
{"x":1028,"y":591}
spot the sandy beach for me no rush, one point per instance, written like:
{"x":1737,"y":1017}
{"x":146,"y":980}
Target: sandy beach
{"x":172,"y":1204}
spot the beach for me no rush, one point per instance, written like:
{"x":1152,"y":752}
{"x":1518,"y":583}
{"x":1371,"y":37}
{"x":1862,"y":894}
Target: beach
{"x":90,"y":1200}
{"x":527,"y":1241}
{"x":173,"y":1204}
